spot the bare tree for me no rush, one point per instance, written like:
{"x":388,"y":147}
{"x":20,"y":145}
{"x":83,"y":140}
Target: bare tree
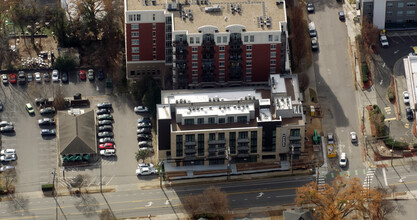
{"x":80,"y":181}
{"x":192,"y":204}
{"x":211,"y":201}
{"x":370,"y":33}
{"x":59,"y":99}
{"x":106,"y":214}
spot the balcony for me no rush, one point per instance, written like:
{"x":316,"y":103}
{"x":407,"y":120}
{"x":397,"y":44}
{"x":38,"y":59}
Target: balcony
{"x":295,"y":138}
{"x":243,"y":148}
{"x":217,"y":157}
{"x":190,"y":151}
{"x":212,"y":149}
{"x":190,"y":157}
{"x":243,"y":140}
{"x":190,"y":143}
{"x":242,"y":155}
{"x":217,"y":141}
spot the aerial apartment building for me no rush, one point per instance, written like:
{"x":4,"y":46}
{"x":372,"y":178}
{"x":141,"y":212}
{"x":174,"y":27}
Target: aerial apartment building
{"x":390,"y":14}
{"x":232,"y":125}
{"x":206,"y":43}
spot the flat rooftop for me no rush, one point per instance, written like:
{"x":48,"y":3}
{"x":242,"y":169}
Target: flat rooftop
{"x":250,"y":13}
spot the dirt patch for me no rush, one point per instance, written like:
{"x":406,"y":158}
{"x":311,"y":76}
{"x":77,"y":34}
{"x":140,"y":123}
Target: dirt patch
{"x":255,"y":166}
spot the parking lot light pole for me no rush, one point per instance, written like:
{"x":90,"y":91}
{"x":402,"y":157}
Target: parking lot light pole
{"x":292,"y":153}
{"x":392,"y":155}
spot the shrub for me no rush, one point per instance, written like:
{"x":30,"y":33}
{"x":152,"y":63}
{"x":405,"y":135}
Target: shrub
{"x":47,"y":187}
{"x":396,"y":145}
{"x":365,"y":72}
{"x":415,"y":145}
{"x":390,"y":93}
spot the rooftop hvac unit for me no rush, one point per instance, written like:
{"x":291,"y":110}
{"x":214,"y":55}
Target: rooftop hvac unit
{"x":210,"y":107}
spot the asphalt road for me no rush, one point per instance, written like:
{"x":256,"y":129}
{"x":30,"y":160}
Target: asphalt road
{"x":243,"y":194}
{"x":335,"y":85}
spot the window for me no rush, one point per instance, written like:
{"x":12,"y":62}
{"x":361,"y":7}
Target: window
{"x":154,"y":57}
{"x":411,"y":4}
{"x":221,"y":64}
{"x":191,"y":40}
{"x":252,"y":38}
{"x":274,"y":138}
{"x":154,"y":49}
{"x":246,"y":38}
{"x":189,"y":138}
{"x":272,"y":70}
{"x":153,"y":17}
{"x":195,"y":79}
{"x":221,"y":78}
{"x":211,"y":120}
{"x":200,"y":121}
{"x":224,"y":39}
{"x":195,"y":64}
{"x":135,"y":42}
{"x":230,"y":119}
{"x":212,"y":137}
{"x":253,"y":141}
{"x":179,"y":146}
{"x":411,"y":12}
{"x":248,"y":70}
{"x":276,"y":37}
{"x":130,"y":17}
{"x":197,"y":40}
{"x":221,"y":71}
{"x":273,"y":62}
{"x":138,"y":17}
{"x":154,"y":33}
{"x":189,"y":121}
{"x":241,"y":118}
{"x":221,"y":136}
{"x":400,"y":13}
{"x":273,"y":46}
{"x":135,"y":57}
{"x":222,"y":120}
{"x":295,"y":132}
{"x":135,"y":33}
{"x":270,"y":37}
{"x":249,"y":63}
{"x":400,"y":4}
{"x":221,"y":48}
{"x":154,"y":41}
{"x":389,"y":13}
{"x":200,"y":145}
{"x":194,"y":49}
{"x":219,"y":39}
{"x":153,"y":26}
{"x":195,"y":56}
{"x":243,"y":135}
{"x":249,"y":78}
{"x":195,"y":73}
{"x":221,"y":56}
{"x":232,"y":142}
{"x":389,"y":4}
{"x":132,"y":72}
{"x":249,"y":47}
{"x":248,"y":55}
{"x":134,"y":26}
{"x":273,"y":54}
{"x":135,"y":49}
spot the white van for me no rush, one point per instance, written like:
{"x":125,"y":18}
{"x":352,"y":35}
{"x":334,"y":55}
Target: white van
{"x":312,"y":29}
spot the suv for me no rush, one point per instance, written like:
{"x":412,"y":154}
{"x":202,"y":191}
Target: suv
{"x":406,"y":98}
{"x":29,"y":108}
{"x":409,"y":113}
{"x":21,"y":78}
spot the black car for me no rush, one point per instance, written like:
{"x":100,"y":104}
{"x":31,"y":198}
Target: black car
{"x":21,"y":78}
{"x":409,"y":113}
{"x":144,"y":125}
{"x":46,"y":121}
{"x":45,"y":132}
{"x":64,"y":77}
{"x":310,"y":7}
{"x":39,"y":101}
{"x":104,"y":105}
{"x":106,"y":140}
{"x":105,"y":134}
{"x":1,"y":106}
{"x":47,"y":110}
{"x":8,"y":128}
{"x":105,"y":122}
{"x":103,"y":111}
{"x":341,"y":15}
{"x":105,"y":128}
{"x":147,"y":120}
{"x":144,"y":136}
{"x":105,"y":117}
{"x":144,"y":131}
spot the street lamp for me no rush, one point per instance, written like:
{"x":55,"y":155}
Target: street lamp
{"x":392,"y":155}
{"x":292,"y":153}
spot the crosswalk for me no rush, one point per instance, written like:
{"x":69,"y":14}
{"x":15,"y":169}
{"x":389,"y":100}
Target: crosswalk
{"x":321,"y":182}
{"x":369,"y":174}
{"x":368,"y":178}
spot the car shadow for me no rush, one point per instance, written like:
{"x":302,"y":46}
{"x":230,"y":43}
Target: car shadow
{"x":9,"y":134}
{"x":109,"y":158}
{"x":48,"y":137}
{"x":147,"y":177}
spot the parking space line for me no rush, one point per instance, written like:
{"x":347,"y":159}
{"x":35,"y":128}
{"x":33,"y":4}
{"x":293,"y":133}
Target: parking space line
{"x":390,"y":119}
{"x":109,"y":180}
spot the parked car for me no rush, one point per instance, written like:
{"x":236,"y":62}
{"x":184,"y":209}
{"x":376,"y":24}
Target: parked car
{"x":314,"y":43}
{"x":45,"y":132}
{"x":8,"y":158}
{"x":21,"y":78}
{"x":6,"y":168}
{"x":46,"y":77}
{"x":105,"y":128}
{"x":103,"y":111}
{"x":105,"y":134}
{"x":1,"y":106}
{"x":91,"y":74}
{"x":30,"y":77}
{"x":140,"y":109}
{"x":353,"y":137}
{"x":140,"y":165}
{"x":341,"y":15}
{"x":8,"y":128}
{"x":343,"y":160}
{"x":105,"y":117}
{"x":100,"y":74}
{"x":38,"y":77}
{"x":146,"y":119}
{"x":107,"y":146}
{"x":47,"y":110}
{"x":5,"y":123}
{"x":384,"y":41}
{"x":409,"y":114}
{"x":145,"y":144}
{"x":150,"y":149}
{"x":106,"y":140}
{"x":8,"y":151}
{"x":144,"y":125}
{"x":144,"y":131}
{"x":46,"y":121}
{"x":406,"y":98}
{"x":55,"y":76}
{"x":145,"y":171}
{"x":29,"y":108}
{"x":104,"y":122}
{"x":108,"y":152}
{"x":104,"y":105}
{"x":144,"y":137}
{"x":39,"y":101}
{"x":4,"y":79}
{"x":13,"y":78}
{"x":82,"y":74}
{"x":310,"y":7}
{"x":64,"y":77}
{"x":330,"y":138}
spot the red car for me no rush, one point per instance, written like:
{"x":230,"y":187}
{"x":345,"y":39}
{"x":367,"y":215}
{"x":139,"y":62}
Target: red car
{"x":106,"y":146}
{"x":13,"y":78}
{"x":82,"y":74}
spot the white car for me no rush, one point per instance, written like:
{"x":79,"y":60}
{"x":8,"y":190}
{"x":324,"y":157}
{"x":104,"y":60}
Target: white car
{"x":146,"y":171}
{"x":5,"y":123}
{"x":353,"y":137}
{"x":140,"y":109}
{"x":146,"y":148}
{"x":8,"y":158}
{"x":4,"y":79}
{"x":406,"y":98}
{"x":8,"y":151}
{"x":30,"y":77}
{"x":343,"y":160}
{"x":38,"y":77}
{"x":140,"y":165}
{"x":6,"y":168}
{"x":108,"y":152}
{"x":384,"y":41}
{"x":55,"y":77}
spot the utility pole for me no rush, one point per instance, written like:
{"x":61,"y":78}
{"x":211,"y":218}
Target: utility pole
{"x":292,"y":153}
{"x":101,"y":175}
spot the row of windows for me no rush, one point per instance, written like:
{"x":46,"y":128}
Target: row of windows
{"x":222,"y":79}
{"x":197,"y":40}
{"x":222,"y":48}
{"x":134,"y":17}
{"x":219,"y":39}
{"x":399,"y":13}
{"x":401,"y":4}
{"x":145,"y":72}
{"x":135,"y":57}
{"x":400,"y":21}
{"x":212,"y":120}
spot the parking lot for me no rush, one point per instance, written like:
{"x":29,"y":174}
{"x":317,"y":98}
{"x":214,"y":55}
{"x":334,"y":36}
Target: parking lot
{"x":400,"y":45}
{"x":37,"y":156}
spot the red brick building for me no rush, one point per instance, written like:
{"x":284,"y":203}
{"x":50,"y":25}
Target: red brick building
{"x":199,"y":43}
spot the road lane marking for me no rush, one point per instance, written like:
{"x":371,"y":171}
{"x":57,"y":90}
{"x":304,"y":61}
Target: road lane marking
{"x":24,"y":217}
{"x":356,"y":172}
{"x":364,"y":172}
{"x":332,"y":175}
{"x":385,"y":177}
{"x":390,"y":119}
